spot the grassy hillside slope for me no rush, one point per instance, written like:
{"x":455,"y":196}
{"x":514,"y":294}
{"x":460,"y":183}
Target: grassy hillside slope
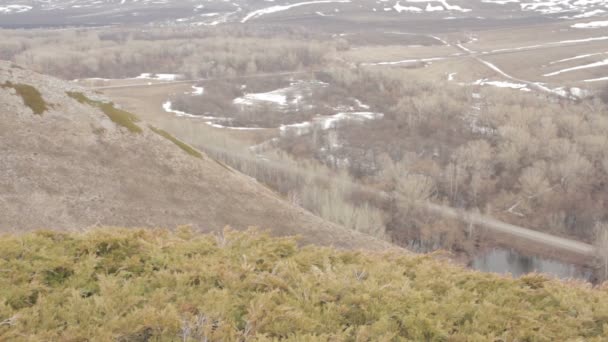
{"x":69,"y":159}
{"x":155,"y":285}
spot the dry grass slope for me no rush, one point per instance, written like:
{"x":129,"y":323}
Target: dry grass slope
{"x":139,"y":285}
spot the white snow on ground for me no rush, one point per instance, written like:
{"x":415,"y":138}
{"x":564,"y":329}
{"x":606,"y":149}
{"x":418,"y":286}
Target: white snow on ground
{"x":92,"y":79}
{"x":502,"y":84}
{"x":431,"y":8}
{"x":361,"y":104}
{"x":279,"y":8}
{"x":399,"y":8}
{"x":441,"y":40}
{"x":167,"y":107}
{"x":159,"y":77}
{"x":10,"y":9}
{"x":500,"y":2}
{"x":453,"y":7}
{"x":580,"y":67}
{"x":198,"y":90}
{"x":540,"y":86}
{"x":327,"y":122}
{"x":495,"y":68}
{"x":216,"y":18}
{"x":576,"y":57}
{"x":209,"y":120}
{"x":578,"y":92}
{"x":212,"y":124}
{"x":278,"y":97}
{"x":406,"y":61}
{"x":443,"y":5}
{"x":597,"y":79}
{"x":464,"y":48}
{"x":562,"y":6}
{"x":593,"y":24}
{"x":562,"y":42}
{"x":585,"y":14}
{"x":281,"y":97}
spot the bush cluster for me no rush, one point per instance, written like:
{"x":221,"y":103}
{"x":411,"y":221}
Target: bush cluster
{"x":156,"y":285}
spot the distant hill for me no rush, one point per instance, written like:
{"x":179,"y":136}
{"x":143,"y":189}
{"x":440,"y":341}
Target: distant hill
{"x":70,"y":160}
{"x":142,"y":285}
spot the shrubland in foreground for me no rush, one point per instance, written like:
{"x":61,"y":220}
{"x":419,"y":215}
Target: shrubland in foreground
{"x":140,"y":285}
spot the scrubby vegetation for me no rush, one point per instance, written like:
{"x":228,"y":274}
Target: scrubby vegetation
{"x":30,"y":95}
{"x":522,"y":158}
{"x":119,"y":116}
{"x":187,"y":148}
{"x":140,"y":285}
{"x":194,"y":52}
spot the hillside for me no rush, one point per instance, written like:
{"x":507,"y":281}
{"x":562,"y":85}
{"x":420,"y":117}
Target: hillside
{"x":153,"y":285}
{"x":71,"y":160}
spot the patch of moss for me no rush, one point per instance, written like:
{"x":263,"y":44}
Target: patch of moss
{"x":119,"y":116}
{"x":187,"y":148}
{"x":30,"y":95}
{"x":80,"y":97}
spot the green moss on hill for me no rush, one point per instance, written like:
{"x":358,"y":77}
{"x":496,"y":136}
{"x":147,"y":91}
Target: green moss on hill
{"x":187,"y":148}
{"x":30,"y":95}
{"x":119,"y":116}
{"x":136,"y":285}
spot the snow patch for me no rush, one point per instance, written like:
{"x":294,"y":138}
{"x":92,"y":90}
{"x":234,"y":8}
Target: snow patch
{"x":282,"y":97}
{"x":596,"y":79}
{"x":585,"y":14}
{"x":159,"y":77}
{"x":407,"y":61}
{"x":576,"y":57}
{"x":593,"y":24}
{"x":399,"y":8}
{"x":500,"y":2}
{"x":327,"y":122}
{"x":10,"y":9}
{"x":198,"y":90}
{"x":167,"y":107}
{"x":279,"y":8}
{"x":502,"y":84}
{"x":215,"y":125}
{"x":580,"y":67}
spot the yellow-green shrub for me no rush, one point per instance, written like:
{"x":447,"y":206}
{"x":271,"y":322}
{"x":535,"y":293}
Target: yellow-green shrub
{"x":119,"y":116}
{"x":135,"y":285}
{"x":187,"y":148}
